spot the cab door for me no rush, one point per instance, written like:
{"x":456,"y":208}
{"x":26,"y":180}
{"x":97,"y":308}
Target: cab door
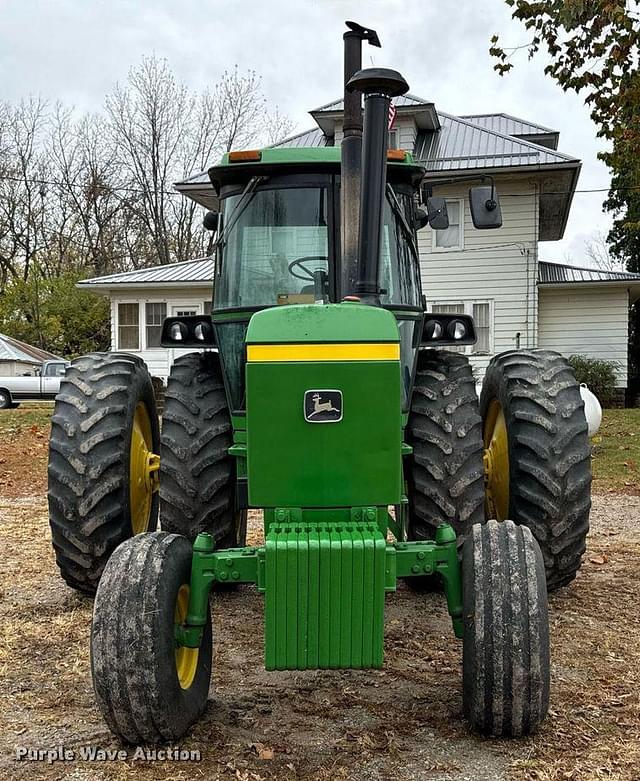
{"x":51,"y":378}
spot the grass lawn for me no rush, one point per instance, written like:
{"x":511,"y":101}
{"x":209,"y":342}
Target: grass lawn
{"x":15,"y":421}
{"x":616,"y":451}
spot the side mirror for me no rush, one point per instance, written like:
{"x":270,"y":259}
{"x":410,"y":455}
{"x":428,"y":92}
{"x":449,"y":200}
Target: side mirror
{"x":438,"y":215}
{"x":421,"y":218}
{"x":210,"y":221}
{"x":485,"y":207}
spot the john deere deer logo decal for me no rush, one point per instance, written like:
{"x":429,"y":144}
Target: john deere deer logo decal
{"x":323,"y":406}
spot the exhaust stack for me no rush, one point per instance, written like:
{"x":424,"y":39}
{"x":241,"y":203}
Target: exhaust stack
{"x":351,"y":153}
{"x":379,"y":85}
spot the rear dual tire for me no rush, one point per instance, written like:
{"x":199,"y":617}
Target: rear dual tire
{"x":531,"y":428}
{"x":444,"y":474}
{"x":548,"y":454}
{"x":92,"y":509}
{"x":197,"y":474}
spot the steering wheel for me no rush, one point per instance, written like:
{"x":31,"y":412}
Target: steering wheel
{"x":307,"y":275}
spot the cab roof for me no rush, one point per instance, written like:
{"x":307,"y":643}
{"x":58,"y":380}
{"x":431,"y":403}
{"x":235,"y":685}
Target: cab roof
{"x":271,"y":161}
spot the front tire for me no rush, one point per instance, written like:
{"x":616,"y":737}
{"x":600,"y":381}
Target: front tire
{"x":104,"y":426}
{"x":5,"y":399}
{"x":148,"y":690}
{"x":538,"y":454}
{"x":197,"y":474}
{"x":505,"y":657}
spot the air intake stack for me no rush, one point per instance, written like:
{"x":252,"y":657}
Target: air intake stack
{"x":379,"y":86}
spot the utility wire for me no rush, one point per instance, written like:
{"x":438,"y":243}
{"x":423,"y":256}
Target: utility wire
{"x":174,"y":193}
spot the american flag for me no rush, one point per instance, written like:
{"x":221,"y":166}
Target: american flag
{"x":392,"y":116}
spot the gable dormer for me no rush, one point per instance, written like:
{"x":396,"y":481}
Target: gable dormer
{"x":413,"y":115}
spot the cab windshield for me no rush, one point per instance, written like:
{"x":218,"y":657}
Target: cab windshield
{"x":280,"y":248}
{"x":276,"y":248}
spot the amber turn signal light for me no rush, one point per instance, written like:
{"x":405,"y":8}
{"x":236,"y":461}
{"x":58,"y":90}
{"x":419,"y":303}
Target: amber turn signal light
{"x":246,"y":156}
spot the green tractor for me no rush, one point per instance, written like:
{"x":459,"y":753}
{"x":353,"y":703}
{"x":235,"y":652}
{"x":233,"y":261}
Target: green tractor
{"x":318,"y":393}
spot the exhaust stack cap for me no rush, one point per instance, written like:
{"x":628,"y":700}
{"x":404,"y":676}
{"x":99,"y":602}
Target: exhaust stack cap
{"x":378,"y":80}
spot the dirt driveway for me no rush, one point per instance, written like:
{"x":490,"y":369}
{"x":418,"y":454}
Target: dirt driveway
{"x":403,"y":722}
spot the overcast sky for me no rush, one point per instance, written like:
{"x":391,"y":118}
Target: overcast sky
{"x":75,"y":50}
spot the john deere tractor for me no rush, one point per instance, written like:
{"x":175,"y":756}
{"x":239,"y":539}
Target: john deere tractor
{"x":318,"y":392}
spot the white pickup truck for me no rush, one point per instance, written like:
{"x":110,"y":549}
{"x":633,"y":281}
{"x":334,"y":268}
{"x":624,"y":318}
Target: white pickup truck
{"x":43,"y":386}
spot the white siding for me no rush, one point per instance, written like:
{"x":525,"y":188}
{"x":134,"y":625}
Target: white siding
{"x":498,"y":266}
{"x":406,"y":127}
{"x":158,"y":359}
{"x":406,"y":133}
{"x":590,"y":321}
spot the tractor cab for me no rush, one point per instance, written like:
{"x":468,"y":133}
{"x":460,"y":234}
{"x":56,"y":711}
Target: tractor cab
{"x":278,"y":244}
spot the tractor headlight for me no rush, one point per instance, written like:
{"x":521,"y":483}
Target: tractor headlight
{"x":456,"y":330}
{"x":203,"y":331}
{"x":188,"y":331}
{"x":178,"y":332}
{"x":432,"y":330}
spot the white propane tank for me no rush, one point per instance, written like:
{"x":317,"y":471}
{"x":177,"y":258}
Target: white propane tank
{"x":592,"y":409}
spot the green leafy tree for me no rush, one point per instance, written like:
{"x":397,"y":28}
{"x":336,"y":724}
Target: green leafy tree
{"x":52,"y":313}
{"x":594,"y":49}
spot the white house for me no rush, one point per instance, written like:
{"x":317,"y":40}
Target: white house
{"x":497,"y":276}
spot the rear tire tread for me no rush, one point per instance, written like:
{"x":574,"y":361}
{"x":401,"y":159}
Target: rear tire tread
{"x":89,"y":462}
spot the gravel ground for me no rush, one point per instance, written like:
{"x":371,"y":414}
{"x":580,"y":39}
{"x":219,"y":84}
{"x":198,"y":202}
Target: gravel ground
{"x":403,"y":722}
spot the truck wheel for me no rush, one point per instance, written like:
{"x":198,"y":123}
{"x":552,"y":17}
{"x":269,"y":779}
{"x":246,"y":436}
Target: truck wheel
{"x":444,"y":474}
{"x":102,"y":467}
{"x":148,"y":689}
{"x":537,"y":454}
{"x":505,"y":657}
{"x":197,"y":474}
{"x":5,"y":399}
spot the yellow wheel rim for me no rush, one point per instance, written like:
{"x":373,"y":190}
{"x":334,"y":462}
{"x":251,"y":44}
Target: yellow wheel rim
{"x":186,"y":658}
{"x":143,"y":470}
{"x":496,"y":462}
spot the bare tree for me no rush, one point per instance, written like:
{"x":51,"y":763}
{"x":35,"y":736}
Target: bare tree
{"x":277,"y":126}
{"x":22,"y":189}
{"x":96,"y":192}
{"x":160,"y":133}
{"x":598,"y":251}
{"x":85,"y":169}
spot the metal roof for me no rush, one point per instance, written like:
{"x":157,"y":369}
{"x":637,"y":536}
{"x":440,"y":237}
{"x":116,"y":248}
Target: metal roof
{"x":14,"y":350}
{"x":508,"y":124}
{"x":401,"y":100}
{"x":185,"y":272}
{"x":313,"y":138}
{"x":201,"y":271}
{"x":460,"y":144}
{"x":559,"y":274}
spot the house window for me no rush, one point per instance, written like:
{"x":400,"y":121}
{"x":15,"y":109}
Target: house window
{"x":128,"y":326}
{"x":481,"y":312}
{"x":481,"y":318}
{"x":206,"y":307}
{"x":393,"y":139}
{"x":155,"y":315}
{"x":452,"y":238}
